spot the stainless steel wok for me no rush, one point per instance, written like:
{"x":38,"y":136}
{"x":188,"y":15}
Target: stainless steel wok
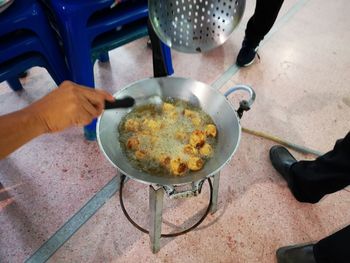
{"x":209,"y":99}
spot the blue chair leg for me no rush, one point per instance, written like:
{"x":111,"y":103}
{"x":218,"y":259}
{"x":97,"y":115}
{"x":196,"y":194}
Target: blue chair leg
{"x":78,"y":53}
{"x":15,"y":84}
{"x":90,"y":131}
{"x":53,"y":73}
{"x":167,"y":58}
{"x":104,"y":57}
{"x":58,"y":68}
{"x":83,"y":74}
{"x":52,"y":53}
{"x":81,"y":68}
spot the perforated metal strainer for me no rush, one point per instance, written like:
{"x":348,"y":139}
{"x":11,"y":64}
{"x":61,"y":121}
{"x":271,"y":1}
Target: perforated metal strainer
{"x":195,"y":25}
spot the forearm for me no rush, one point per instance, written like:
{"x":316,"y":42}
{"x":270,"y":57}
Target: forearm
{"x":18,"y":128}
{"x":69,"y":105}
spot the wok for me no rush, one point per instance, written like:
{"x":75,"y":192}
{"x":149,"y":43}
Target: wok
{"x":214,"y":103}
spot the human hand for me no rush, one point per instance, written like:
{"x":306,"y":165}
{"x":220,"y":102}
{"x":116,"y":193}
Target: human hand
{"x":69,"y":104}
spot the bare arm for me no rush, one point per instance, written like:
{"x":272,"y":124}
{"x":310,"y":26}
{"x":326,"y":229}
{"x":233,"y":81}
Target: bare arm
{"x":70,"y":104}
{"x":17,"y":129}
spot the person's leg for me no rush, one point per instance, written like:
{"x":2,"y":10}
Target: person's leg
{"x":311,"y":180}
{"x":334,"y":248}
{"x":301,"y":253}
{"x":258,"y":25}
{"x":263,"y":19}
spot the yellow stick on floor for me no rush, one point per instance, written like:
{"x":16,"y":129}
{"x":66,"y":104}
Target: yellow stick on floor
{"x":290,"y":145}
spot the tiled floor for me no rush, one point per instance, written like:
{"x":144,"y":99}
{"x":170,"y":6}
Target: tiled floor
{"x":302,"y":96}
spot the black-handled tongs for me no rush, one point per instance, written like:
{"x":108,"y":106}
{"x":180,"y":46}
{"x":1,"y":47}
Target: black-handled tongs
{"x":126,"y":102}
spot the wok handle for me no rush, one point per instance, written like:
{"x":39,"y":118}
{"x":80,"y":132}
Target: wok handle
{"x":244,"y":105}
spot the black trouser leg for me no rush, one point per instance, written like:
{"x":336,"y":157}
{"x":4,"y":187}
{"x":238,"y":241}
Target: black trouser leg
{"x":261,"y":22}
{"x":329,"y":173}
{"x":334,"y":248}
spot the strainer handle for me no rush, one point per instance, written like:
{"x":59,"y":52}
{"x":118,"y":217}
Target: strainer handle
{"x":244,"y":105}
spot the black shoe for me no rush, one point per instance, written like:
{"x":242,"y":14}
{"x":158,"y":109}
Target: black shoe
{"x":282,"y":161}
{"x":296,"y":254}
{"x":247,"y":53}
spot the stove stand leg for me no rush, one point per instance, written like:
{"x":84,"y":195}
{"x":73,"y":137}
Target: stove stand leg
{"x":156,"y":207}
{"x":214,"y":203}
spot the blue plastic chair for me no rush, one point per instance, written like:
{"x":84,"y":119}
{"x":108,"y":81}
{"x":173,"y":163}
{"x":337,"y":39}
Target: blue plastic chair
{"x":27,"y":40}
{"x":90,"y":28}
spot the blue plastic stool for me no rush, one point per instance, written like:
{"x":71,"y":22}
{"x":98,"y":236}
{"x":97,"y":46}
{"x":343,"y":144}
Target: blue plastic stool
{"x":90,"y":28}
{"x":18,"y":65}
{"x":25,"y":34}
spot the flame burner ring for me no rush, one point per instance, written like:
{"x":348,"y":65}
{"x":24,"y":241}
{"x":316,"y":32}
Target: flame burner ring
{"x":164,"y":235}
{"x":156,"y":201}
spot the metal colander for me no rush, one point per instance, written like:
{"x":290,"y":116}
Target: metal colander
{"x":195,"y":25}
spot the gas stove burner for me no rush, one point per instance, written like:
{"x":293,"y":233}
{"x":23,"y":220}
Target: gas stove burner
{"x":164,"y":235}
{"x":156,"y":206}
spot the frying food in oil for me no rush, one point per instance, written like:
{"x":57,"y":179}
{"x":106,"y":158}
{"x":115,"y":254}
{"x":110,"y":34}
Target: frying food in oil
{"x":175,"y":140}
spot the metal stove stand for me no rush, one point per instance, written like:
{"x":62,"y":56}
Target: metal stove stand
{"x":156,"y":195}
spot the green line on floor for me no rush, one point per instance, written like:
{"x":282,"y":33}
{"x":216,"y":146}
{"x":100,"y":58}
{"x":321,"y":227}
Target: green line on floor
{"x":75,"y":222}
{"x":100,"y":198}
{"x":232,"y":70}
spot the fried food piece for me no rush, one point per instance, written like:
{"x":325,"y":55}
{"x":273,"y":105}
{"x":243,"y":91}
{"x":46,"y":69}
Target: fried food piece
{"x":178,"y":167}
{"x":151,"y":125}
{"x":173,"y":115}
{"x":154,"y":139}
{"x":195,"y":163}
{"x":197,"y":138}
{"x":196,"y":121}
{"x":210,"y":130}
{"x":189,"y":149}
{"x":131,"y":125}
{"x":164,"y":160}
{"x":168,"y":106}
{"x":144,"y":133}
{"x":181,"y":136}
{"x":140,"y":155}
{"x":133,"y":143}
{"x":206,"y":150}
{"x":190,"y":113}
{"x":146,"y":139}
